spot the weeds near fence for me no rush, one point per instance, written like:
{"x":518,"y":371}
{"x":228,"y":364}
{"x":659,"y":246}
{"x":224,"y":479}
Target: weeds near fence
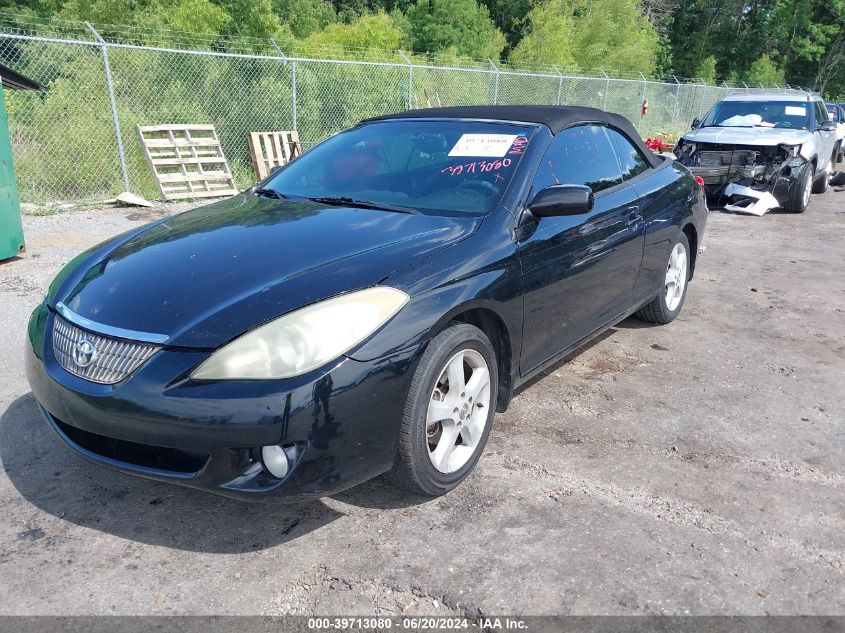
{"x":65,"y":138}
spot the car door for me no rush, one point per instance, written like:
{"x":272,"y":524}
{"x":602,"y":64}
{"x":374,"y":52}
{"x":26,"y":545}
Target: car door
{"x":578,"y":271}
{"x":827,"y":138}
{"x":658,"y":213}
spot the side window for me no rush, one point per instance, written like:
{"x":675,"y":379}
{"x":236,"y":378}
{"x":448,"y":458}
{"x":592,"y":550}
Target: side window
{"x":579,"y":155}
{"x":632,"y":162}
{"x":821,"y":113}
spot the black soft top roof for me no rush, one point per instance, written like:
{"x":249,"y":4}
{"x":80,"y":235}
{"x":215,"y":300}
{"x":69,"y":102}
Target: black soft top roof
{"x":556,"y":118}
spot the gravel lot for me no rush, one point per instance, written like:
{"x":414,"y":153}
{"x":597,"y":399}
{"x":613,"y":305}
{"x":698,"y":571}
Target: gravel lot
{"x":695,"y":468}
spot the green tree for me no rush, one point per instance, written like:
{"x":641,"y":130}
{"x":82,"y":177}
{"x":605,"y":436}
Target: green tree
{"x":305,"y":16}
{"x":189,"y":16}
{"x":707,"y":70}
{"x":664,"y":65}
{"x":373,"y":30}
{"x":612,"y":34}
{"x":510,"y":17}
{"x":764,"y":71}
{"x":550,"y":38}
{"x":462,"y":25}
{"x":351,"y":10}
{"x":252,"y":18}
{"x":103,"y":11}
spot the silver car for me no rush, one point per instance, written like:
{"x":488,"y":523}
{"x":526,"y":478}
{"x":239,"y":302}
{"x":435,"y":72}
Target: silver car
{"x":756,"y":152}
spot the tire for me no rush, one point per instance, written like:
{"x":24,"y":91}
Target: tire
{"x":666,"y":306}
{"x":799,"y":194}
{"x":423,"y":440}
{"x":820,"y":183}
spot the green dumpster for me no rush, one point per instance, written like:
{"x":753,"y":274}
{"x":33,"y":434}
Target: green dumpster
{"x":11,"y":230}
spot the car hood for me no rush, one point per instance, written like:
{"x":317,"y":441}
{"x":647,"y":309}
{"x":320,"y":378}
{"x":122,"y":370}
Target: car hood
{"x":205,"y":276}
{"x":747,"y":136}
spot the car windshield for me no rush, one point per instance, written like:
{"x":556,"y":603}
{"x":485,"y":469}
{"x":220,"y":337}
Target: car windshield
{"x":779,"y":114}
{"x":444,"y":167}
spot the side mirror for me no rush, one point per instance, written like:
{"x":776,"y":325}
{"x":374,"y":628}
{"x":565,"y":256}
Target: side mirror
{"x":695,"y":123}
{"x":562,"y":200}
{"x":828,"y":126}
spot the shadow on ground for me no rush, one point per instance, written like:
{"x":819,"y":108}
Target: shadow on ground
{"x":58,"y":482}
{"x":64,"y":485}
{"x":566,"y":359}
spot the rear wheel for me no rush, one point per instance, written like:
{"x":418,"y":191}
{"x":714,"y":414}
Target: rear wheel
{"x":669,"y":301}
{"x":448,"y":413}
{"x":802,"y":187}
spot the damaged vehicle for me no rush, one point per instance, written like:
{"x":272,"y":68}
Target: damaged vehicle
{"x":757,"y":152}
{"x":836,"y":113}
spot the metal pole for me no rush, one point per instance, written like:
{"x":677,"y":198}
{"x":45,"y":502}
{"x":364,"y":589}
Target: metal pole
{"x":496,"y":87}
{"x":559,"y":84}
{"x":606,"y":88}
{"x":410,"y":79}
{"x":293,"y":95}
{"x":701,"y":101}
{"x":279,"y":50}
{"x":109,"y":84}
{"x":677,"y":100}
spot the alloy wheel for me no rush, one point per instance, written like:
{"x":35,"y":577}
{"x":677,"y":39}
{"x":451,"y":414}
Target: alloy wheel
{"x":458,"y":411}
{"x":676,"y":276}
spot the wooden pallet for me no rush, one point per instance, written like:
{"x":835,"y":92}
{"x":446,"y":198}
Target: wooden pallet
{"x":187,"y":161}
{"x":272,"y":149}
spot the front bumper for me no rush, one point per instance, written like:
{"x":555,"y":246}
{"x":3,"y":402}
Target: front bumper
{"x":750,"y":200}
{"x":778,"y":183}
{"x":342,"y":419}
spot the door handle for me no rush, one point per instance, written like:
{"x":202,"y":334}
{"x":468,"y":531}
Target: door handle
{"x":634,"y":215}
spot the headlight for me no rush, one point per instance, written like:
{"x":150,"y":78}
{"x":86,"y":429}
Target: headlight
{"x":298,"y":342}
{"x":791,"y":150}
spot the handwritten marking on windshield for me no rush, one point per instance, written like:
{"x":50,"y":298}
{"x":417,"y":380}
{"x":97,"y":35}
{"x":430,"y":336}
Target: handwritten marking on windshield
{"x":518,"y":146}
{"x":481,"y":166}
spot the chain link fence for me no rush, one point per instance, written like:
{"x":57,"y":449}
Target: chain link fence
{"x":77,"y":139}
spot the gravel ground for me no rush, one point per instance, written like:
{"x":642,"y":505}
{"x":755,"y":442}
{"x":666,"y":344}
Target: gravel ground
{"x":695,"y":468}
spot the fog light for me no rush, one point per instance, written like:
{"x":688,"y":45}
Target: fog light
{"x":275,"y":461}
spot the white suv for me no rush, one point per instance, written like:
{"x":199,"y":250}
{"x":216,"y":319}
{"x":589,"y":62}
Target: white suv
{"x":756,"y":152}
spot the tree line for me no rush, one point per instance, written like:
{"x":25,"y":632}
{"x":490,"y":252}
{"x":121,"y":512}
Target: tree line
{"x":767,"y":42}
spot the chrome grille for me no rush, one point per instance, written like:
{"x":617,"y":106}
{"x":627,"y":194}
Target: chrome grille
{"x":113,"y":359}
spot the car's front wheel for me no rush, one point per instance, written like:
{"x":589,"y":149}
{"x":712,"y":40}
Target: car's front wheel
{"x":449,"y":412}
{"x":802,"y":187}
{"x":669,"y":301}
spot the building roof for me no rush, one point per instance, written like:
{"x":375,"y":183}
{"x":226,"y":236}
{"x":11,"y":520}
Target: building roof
{"x":556,"y":118}
{"x":16,"y":81}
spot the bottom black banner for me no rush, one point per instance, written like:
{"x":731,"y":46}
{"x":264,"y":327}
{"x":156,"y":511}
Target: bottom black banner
{"x":491,"y":624}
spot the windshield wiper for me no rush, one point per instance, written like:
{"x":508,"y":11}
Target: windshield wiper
{"x":361,"y":204}
{"x":266,"y":192}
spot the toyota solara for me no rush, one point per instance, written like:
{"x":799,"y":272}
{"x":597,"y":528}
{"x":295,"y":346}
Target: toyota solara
{"x":367,"y":308}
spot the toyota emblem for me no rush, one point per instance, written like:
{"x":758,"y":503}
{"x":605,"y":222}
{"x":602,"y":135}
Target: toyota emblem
{"x":84,"y":353}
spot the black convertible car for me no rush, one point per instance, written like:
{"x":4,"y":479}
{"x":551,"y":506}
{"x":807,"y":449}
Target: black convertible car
{"x":367,"y":308}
